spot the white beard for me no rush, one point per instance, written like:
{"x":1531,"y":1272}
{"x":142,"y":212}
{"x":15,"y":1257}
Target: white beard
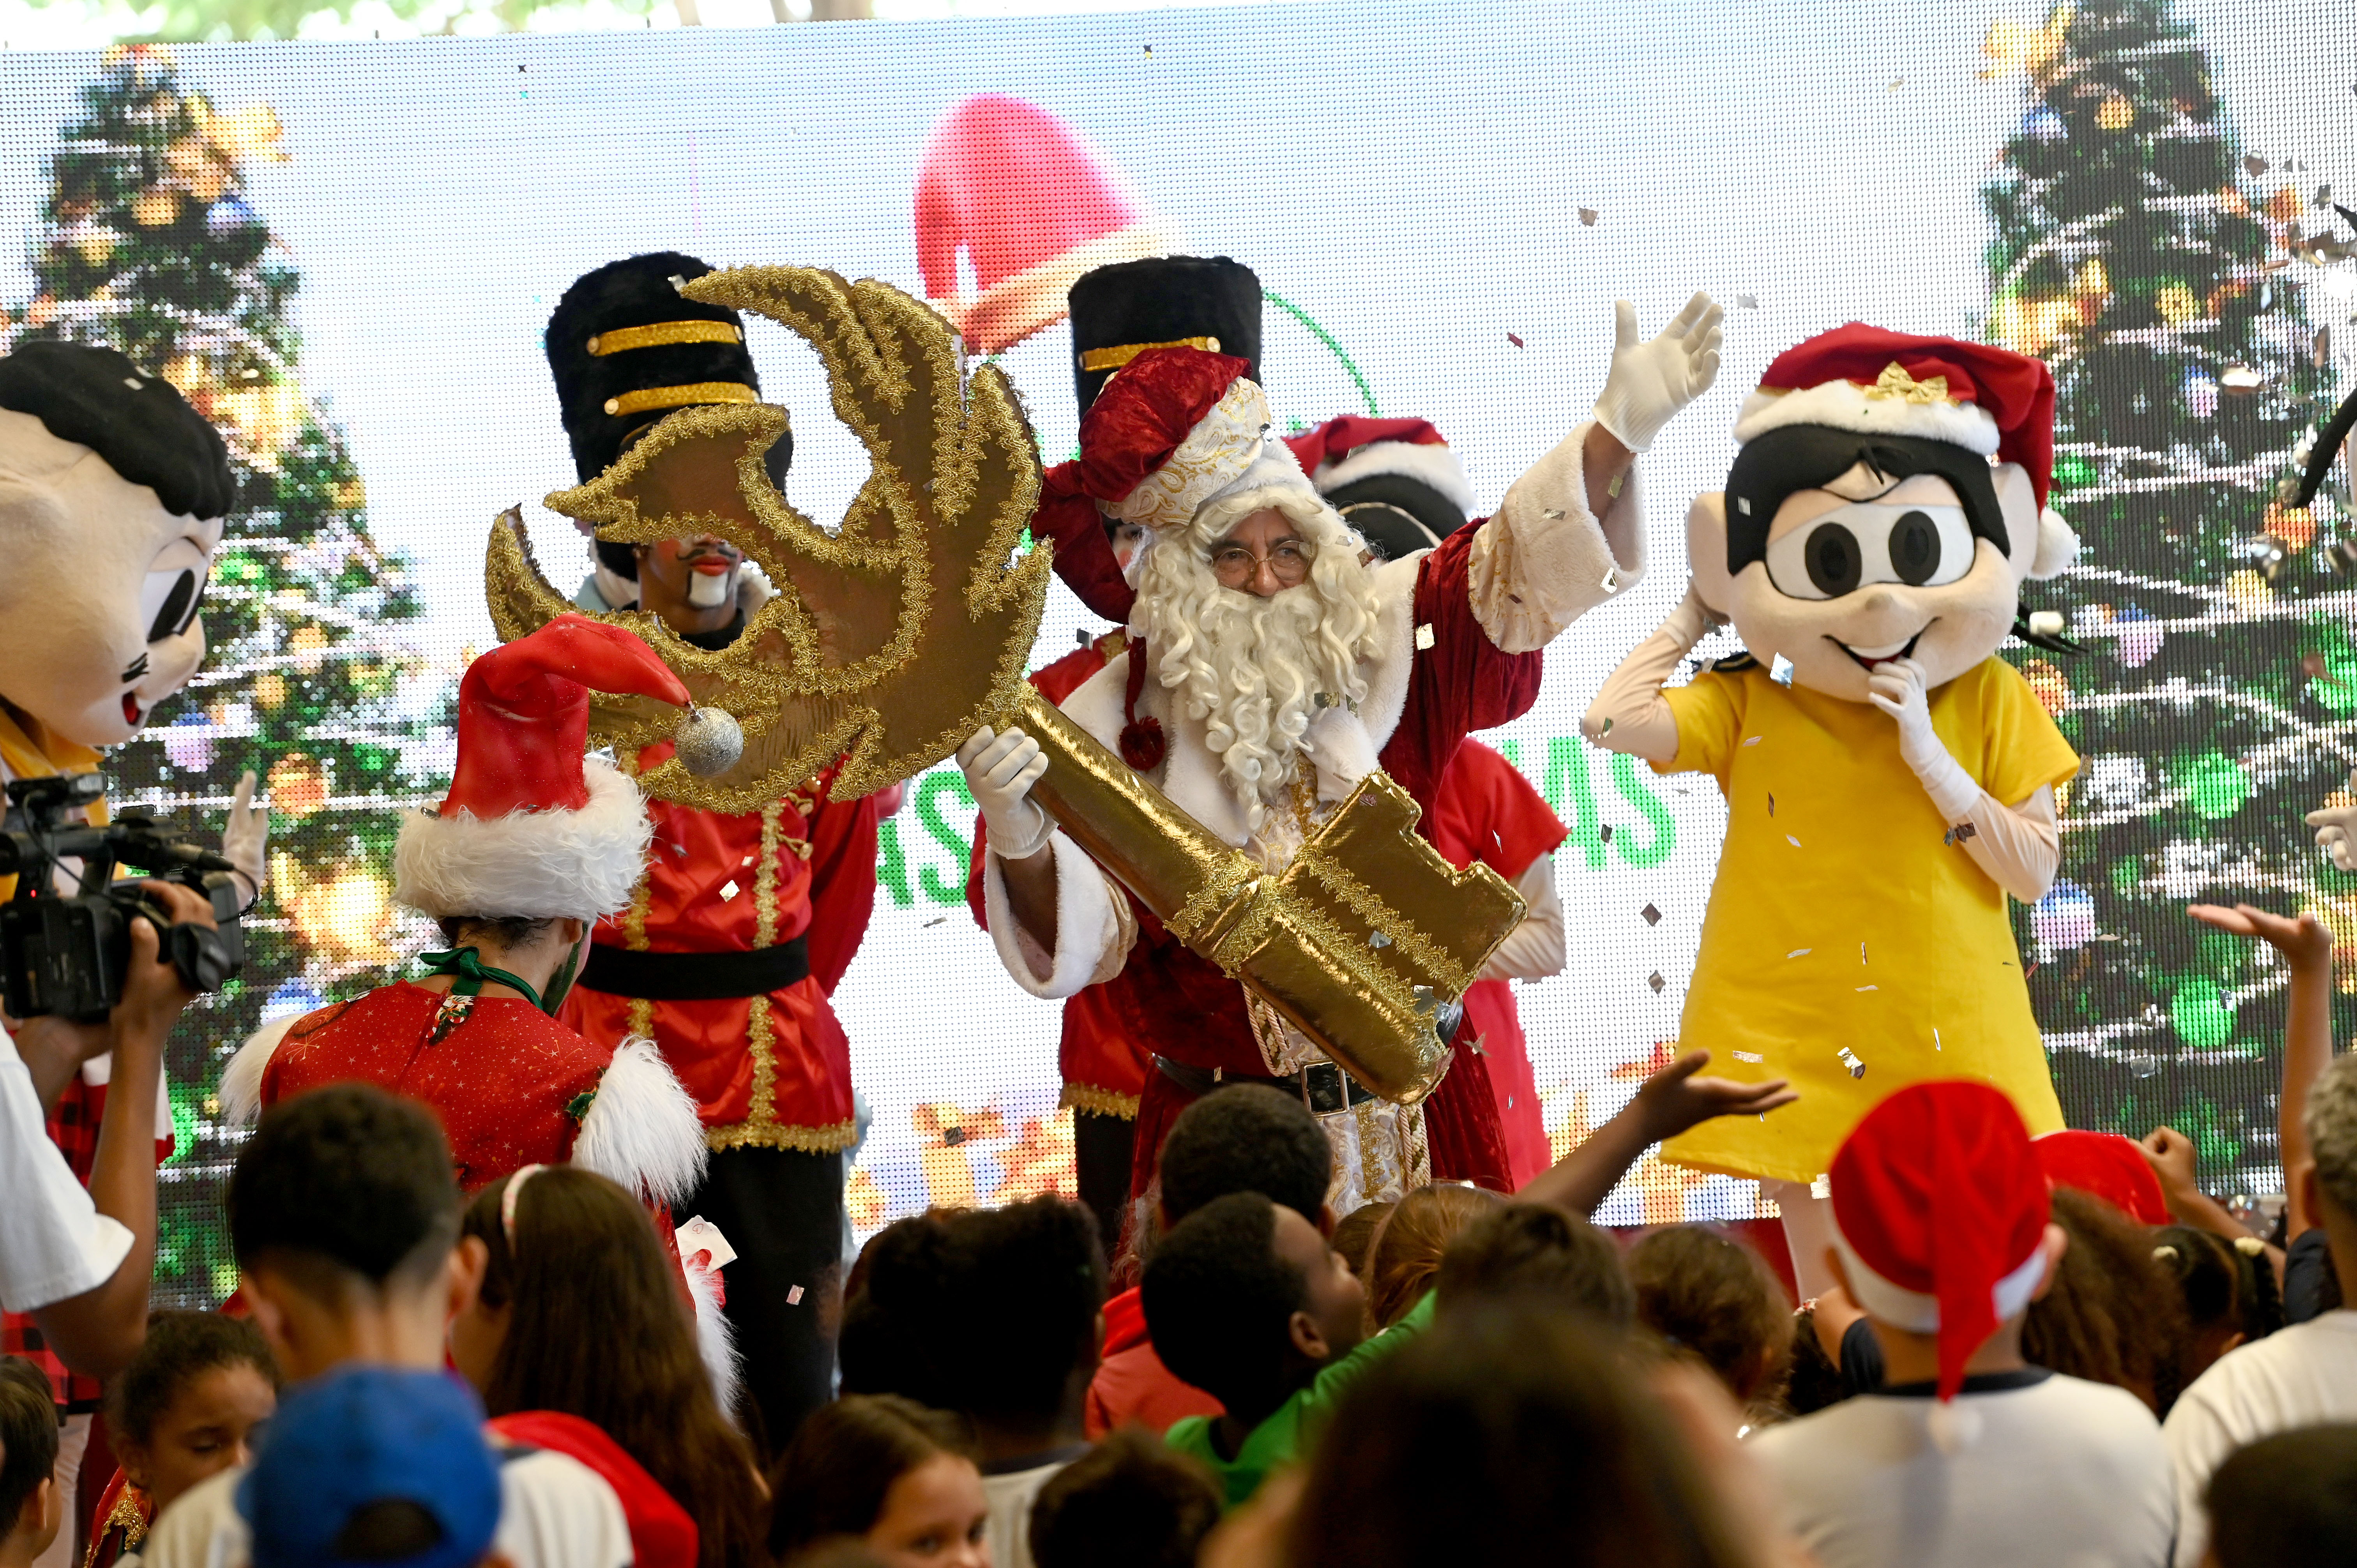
{"x":710,"y":590}
{"x":1252,"y":669}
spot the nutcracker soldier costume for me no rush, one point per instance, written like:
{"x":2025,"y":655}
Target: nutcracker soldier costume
{"x":1273,"y":669}
{"x":726,"y":948}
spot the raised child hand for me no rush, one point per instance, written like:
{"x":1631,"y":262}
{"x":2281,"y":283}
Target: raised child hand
{"x":2304,"y":941}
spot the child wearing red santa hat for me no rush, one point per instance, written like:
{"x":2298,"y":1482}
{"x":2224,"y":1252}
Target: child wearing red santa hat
{"x":1968,"y":1454}
{"x":532,"y":844}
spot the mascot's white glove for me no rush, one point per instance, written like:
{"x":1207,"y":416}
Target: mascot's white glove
{"x":245,"y":839}
{"x":2336,"y":831}
{"x":1896,"y":687}
{"x":1651,"y":382}
{"x":1000,"y":770}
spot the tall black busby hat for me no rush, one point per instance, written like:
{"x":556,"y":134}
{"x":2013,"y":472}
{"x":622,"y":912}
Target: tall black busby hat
{"x":1120,"y":311}
{"x":136,"y":421}
{"x":626,"y":347}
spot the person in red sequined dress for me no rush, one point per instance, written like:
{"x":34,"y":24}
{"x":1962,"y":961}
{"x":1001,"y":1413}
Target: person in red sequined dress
{"x":532,"y":844}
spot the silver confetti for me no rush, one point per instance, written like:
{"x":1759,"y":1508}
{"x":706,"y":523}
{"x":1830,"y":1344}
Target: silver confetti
{"x":728,"y":890}
{"x":1752,"y":739}
{"x":1800,"y":952}
{"x":1791,"y":839}
{"x":1653,"y":915}
{"x":1656,"y":981}
{"x":1935,"y":1039}
{"x":1959,"y":834}
{"x":1588,"y":216}
{"x":1749,"y":1057}
{"x":1377,"y":940}
{"x":1746,"y":302}
{"x":1612,"y":579}
{"x":1849,"y":1059}
{"x":1821,"y":1187}
{"x":1424,"y":638}
{"x":1604,"y":833}
{"x":1780,"y":671}
{"x":1869,"y":988}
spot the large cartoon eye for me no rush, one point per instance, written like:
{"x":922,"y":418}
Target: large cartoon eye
{"x":1865,"y":542}
{"x":174,"y":588}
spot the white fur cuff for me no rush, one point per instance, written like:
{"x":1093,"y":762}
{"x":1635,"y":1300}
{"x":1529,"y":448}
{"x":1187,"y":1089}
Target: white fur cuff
{"x":1089,"y":932}
{"x":642,"y":1129}
{"x":1545,"y":560}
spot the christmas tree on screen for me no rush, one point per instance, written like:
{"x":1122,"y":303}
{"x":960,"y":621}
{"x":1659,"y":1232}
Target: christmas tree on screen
{"x":147,"y":244}
{"x":2149,"y":259}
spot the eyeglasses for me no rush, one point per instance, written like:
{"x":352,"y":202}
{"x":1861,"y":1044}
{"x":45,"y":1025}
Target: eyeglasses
{"x":1234,"y":566}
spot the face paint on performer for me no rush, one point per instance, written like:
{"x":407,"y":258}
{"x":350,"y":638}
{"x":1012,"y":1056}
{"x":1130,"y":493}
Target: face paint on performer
{"x":690,"y":582}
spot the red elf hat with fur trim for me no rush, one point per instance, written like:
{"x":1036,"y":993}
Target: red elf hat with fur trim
{"x":1939,"y":1211}
{"x":531,"y":826}
{"x":1985,"y":399}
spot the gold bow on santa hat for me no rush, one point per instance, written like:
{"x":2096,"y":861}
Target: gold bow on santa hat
{"x":1895,"y":381}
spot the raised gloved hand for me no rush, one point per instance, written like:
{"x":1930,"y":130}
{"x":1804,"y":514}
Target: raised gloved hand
{"x":1896,"y":686}
{"x":1651,"y":381}
{"x":2335,"y":830}
{"x":245,"y":839}
{"x":1000,"y":770}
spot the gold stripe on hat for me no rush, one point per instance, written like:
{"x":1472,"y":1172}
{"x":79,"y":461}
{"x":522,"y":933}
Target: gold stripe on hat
{"x":645,"y":398}
{"x":1114,"y":358}
{"x":662,"y":334}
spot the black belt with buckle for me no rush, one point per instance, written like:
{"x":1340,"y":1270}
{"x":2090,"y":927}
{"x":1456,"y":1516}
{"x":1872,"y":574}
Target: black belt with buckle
{"x":1323,"y":1087}
{"x":695,"y":976}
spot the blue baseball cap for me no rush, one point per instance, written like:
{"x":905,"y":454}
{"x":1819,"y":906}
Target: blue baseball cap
{"x":375,"y":1464}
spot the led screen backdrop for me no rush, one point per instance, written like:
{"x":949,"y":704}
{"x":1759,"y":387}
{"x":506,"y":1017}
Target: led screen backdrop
{"x":346,"y":254}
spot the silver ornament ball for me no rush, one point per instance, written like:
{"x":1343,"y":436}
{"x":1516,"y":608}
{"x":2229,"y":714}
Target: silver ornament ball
{"x":709,"y":742}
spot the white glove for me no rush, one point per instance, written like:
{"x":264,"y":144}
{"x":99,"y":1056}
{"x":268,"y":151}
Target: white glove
{"x":2336,"y":831}
{"x":245,"y":839}
{"x":1651,"y":382}
{"x":1896,"y":687}
{"x":1000,"y":770}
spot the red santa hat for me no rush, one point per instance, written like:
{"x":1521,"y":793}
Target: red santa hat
{"x":1985,"y":399}
{"x":1938,"y":1212}
{"x":531,"y":825}
{"x":2105,"y":1166}
{"x":1179,"y":428}
{"x":1032,"y":207}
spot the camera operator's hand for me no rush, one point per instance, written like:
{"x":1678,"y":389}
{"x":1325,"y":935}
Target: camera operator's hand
{"x":245,"y":839}
{"x":153,"y":993}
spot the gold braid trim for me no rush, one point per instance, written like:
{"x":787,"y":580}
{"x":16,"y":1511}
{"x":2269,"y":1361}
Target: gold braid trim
{"x":760,"y":1034}
{"x":1218,"y":891}
{"x":778,"y":1136}
{"x":685,"y":396}
{"x":1418,"y":1146}
{"x":130,"y":1512}
{"x":660,"y":334}
{"x":1095,"y":1101}
{"x":640,"y":1011}
{"x":1416,"y":947}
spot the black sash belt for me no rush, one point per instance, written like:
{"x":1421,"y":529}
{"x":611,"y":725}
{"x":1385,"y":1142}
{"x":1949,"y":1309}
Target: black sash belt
{"x":695,"y":976}
{"x":1323,"y":1087}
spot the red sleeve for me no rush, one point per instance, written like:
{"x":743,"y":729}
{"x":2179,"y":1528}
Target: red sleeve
{"x":843,"y":885}
{"x":1490,"y":810}
{"x":1461,"y":683}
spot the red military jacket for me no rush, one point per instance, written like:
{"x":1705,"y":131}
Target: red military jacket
{"x":767,"y":1071}
{"x":510,"y":1083}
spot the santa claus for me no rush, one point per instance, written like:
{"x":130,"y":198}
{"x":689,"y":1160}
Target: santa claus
{"x":1274,"y":666}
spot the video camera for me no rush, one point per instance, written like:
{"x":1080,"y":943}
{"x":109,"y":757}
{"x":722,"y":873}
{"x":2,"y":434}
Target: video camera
{"x":66,"y":954}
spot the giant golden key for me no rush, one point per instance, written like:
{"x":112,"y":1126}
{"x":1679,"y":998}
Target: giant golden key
{"x":894,"y":636}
